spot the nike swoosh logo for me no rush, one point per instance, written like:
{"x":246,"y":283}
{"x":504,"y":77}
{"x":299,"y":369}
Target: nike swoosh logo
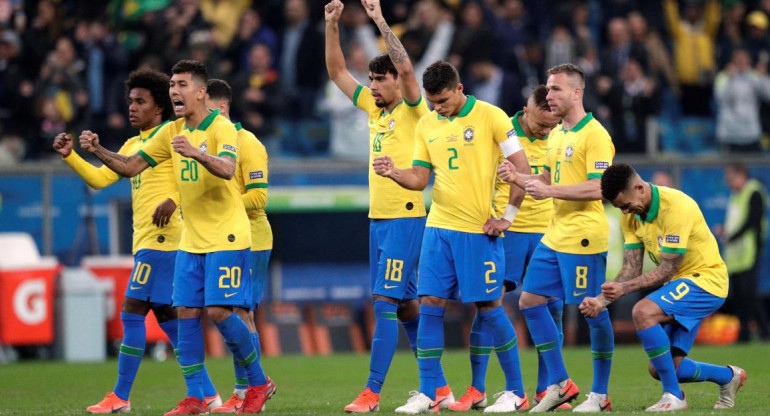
{"x":432,"y":140}
{"x":116,"y":409}
{"x":518,"y":406}
{"x":562,"y":394}
{"x":227,"y":295}
{"x":492,"y":290}
{"x":390,"y":287}
{"x":603,"y":408}
{"x":578,"y":294}
{"x":136,"y":287}
{"x":433,"y":406}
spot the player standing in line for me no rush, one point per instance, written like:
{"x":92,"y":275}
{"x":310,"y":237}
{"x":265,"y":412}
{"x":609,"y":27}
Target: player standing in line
{"x":251,"y":176}
{"x":461,"y":252}
{"x":532,"y":125}
{"x":213,"y":253}
{"x":570,"y":262}
{"x":692,"y":278}
{"x":157,"y":229}
{"x":394,"y":104}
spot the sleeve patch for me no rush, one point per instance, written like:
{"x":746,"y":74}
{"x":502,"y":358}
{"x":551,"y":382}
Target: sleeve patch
{"x":672,"y":239}
{"x":256,"y":175}
{"x":601,"y":165}
{"x":229,"y":147}
{"x":511,"y":134}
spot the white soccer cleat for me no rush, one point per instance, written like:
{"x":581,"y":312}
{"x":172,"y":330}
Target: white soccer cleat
{"x":727,"y":392}
{"x":595,"y":403}
{"x":444,"y":397}
{"x":508,"y":402}
{"x":668,"y":403}
{"x":557,"y":395}
{"x":213,"y":402}
{"x":418,"y":403}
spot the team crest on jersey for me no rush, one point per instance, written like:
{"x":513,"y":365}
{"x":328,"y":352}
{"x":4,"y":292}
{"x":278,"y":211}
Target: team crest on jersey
{"x":660,"y":241}
{"x":468,"y":134}
{"x":204,"y":146}
{"x":568,"y":152}
{"x":392,"y":124}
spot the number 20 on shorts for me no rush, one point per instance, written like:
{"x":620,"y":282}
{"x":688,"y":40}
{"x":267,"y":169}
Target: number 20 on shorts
{"x":231,"y":277}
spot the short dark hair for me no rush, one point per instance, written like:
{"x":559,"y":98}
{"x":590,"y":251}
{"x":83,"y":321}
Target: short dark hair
{"x":157,"y":83}
{"x":439,"y":76}
{"x":381,"y":64}
{"x":739,"y":168}
{"x":569,"y":69}
{"x":197,"y":69}
{"x":539,"y":94}
{"x":615,"y":180}
{"x":219,"y":89}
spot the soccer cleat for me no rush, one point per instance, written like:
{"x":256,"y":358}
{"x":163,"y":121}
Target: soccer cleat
{"x":189,"y":406}
{"x":255,"y":399}
{"x":111,"y":403}
{"x":367,"y":401}
{"x":212,"y":402}
{"x":230,"y":406}
{"x":539,"y":396}
{"x":418,"y":403}
{"x":472,"y":399}
{"x":727,"y":392}
{"x":508,"y":402}
{"x":556,"y":395}
{"x":444,"y":397}
{"x":668,"y":403}
{"x":594,"y":404}
{"x":271,"y":387}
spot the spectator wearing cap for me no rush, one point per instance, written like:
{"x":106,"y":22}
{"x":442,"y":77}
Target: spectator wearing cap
{"x":757,"y":38}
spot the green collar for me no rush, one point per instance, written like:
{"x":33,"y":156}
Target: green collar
{"x":467,"y":107}
{"x":205,"y":123}
{"x":580,"y":124}
{"x":152,"y":133}
{"x":654,"y":206}
{"x":238,"y":126}
{"x":385,"y":112}
{"x":520,"y":130}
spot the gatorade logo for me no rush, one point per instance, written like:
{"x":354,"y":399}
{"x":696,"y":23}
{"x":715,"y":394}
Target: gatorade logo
{"x":29,"y":302}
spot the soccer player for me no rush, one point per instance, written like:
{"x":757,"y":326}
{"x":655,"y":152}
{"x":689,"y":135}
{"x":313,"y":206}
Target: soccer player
{"x":461,"y":255}
{"x":532,"y":125}
{"x":570,"y":261}
{"x":394,"y":105}
{"x":690,"y":274}
{"x":251,"y":175}
{"x":213,"y":253}
{"x":157,"y":229}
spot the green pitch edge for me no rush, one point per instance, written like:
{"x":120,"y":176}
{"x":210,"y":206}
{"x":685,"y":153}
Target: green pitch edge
{"x":321,"y":199}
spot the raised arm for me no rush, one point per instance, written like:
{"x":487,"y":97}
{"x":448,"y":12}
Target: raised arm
{"x":669,"y":264}
{"x":127,"y":166}
{"x":415,"y":178}
{"x":96,"y":178}
{"x":410,"y":89}
{"x":335,"y":60}
{"x":510,"y":174}
{"x":219,"y":166}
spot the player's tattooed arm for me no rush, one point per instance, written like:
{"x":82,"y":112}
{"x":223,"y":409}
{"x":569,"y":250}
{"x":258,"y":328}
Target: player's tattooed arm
{"x":632,"y":267}
{"x":222,"y":166}
{"x":669,"y":264}
{"x":127,"y":166}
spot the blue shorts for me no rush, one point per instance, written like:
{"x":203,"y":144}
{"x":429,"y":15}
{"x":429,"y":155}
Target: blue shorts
{"x":259,"y":262}
{"x":519,"y":248}
{"x":211,"y":279}
{"x":688,"y":304}
{"x":570,"y":277}
{"x":454,"y":264}
{"x":394,"y":248}
{"x":152,"y":279}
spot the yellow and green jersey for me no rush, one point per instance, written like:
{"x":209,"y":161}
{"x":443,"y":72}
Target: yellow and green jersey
{"x":463,"y":152}
{"x":675,"y":224}
{"x":214,"y":216}
{"x":572,"y":157}
{"x":533,"y":215}
{"x":148,"y":190}
{"x":251,"y":173}
{"x":391,"y":134}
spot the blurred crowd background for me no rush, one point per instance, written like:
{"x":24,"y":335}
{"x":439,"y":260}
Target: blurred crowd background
{"x":686,"y":76}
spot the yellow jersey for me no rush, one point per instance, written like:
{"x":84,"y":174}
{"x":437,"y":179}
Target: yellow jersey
{"x":148,"y":190}
{"x":533,"y":215}
{"x":251,"y":173}
{"x":463,"y":152}
{"x":572,"y":157}
{"x":675,"y":224}
{"x":391,"y":134}
{"x":214,"y":216}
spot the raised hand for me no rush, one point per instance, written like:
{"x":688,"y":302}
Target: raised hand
{"x":89,"y":141}
{"x":383,"y":166}
{"x":373,"y":9}
{"x":182,"y":146}
{"x":333,"y":11}
{"x":63,"y":144}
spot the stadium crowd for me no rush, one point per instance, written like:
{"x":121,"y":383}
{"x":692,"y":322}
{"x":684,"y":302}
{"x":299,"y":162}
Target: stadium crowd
{"x":63,"y":63}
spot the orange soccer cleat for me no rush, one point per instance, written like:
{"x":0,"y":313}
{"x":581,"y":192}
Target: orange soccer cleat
{"x":189,"y":406}
{"x":367,"y":401}
{"x":255,"y":399}
{"x":232,"y":405}
{"x":472,"y":399}
{"x":111,"y":403}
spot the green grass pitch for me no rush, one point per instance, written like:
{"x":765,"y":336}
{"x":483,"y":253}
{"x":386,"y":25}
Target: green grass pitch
{"x":323,"y":385}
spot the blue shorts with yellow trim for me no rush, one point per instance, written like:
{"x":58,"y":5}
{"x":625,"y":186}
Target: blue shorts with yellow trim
{"x":519,"y":248}
{"x":394,"y":248}
{"x":152,"y":279}
{"x":455,"y":264}
{"x":259,"y":262}
{"x":566,"y":276}
{"x":210,"y":279}
{"x":688,"y":304}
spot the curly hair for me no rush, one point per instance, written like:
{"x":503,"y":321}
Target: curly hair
{"x":157,"y":83}
{"x":381,"y":64}
{"x":440,"y":76}
{"x":615,"y":180}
